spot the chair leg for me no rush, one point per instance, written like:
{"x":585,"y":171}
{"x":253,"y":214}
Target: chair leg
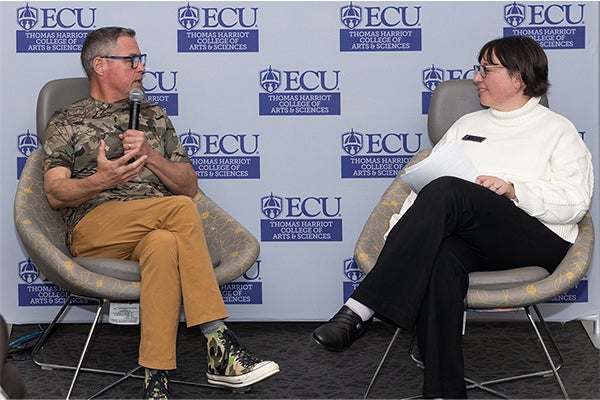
{"x":78,"y":368}
{"x":471,"y":384}
{"x":40,"y":342}
{"x":411,"y":352}
{"x":85,"y":347}
{"x":484,"y":386}
{"x":51,"y":328}
{"x":385,"y":355}
{"x":411,"y":347}
{"x":554,"y":367}
{"x":127,"y":375}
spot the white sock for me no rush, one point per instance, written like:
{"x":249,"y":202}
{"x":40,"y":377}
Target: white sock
{"x":364,"y":312}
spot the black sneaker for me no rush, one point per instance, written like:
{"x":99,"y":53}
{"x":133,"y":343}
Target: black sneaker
{"x":157,"y":384}
{"x":229,"y":364}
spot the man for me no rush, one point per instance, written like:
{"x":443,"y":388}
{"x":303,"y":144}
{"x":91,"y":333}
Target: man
{"x":127,"y":194}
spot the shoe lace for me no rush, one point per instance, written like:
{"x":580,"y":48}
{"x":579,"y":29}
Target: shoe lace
{"x":234,"y":348}
{"x":157,"y":386}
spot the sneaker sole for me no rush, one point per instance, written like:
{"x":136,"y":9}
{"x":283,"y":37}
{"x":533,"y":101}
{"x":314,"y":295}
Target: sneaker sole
{"x":270,"y":368}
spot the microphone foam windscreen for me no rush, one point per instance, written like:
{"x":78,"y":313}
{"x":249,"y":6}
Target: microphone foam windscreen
{"x":136,"y":95}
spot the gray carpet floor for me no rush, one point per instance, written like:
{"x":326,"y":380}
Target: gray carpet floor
{"x":492,"y":349}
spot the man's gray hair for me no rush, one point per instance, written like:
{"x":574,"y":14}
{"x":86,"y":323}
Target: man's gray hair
{"x":99,"y":43}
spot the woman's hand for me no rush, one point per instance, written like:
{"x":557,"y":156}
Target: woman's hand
{"x":497,"y":185}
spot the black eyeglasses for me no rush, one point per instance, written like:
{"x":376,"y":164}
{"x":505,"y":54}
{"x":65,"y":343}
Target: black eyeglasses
{"x":484,"y":69}
{"x":135,"y":59}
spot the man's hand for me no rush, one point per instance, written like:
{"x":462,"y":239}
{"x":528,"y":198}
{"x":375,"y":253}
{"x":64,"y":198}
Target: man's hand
{"x":135,"y":144}
{"x":118,"y":171}
{"x":63,"y":191}
{"x":178,"y":177}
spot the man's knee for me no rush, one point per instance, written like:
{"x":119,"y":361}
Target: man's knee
{"x":187,"y":206}
{"x":181,"y":202}
{"x":160,"y":240}
{"x":159,"y":247}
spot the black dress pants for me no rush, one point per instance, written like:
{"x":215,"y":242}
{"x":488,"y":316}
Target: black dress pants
{"x":421,"y":276}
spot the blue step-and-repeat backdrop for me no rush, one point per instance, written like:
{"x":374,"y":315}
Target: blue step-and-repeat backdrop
{"x":296,"y":115}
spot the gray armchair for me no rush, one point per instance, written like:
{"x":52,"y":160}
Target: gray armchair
{"x":233,"y":249}
{"x":510,"y":290}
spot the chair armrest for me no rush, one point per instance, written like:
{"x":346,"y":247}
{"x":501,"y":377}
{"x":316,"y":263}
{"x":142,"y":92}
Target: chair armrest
{"x":370,"y":241}
{"x":37,"y":223}
{"x":232,"y":247}
{"x":567,"y":275}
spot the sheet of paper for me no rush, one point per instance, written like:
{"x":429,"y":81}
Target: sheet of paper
{"x":450,"y":160}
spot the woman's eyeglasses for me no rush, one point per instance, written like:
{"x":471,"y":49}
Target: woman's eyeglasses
{"x":484,"y":69}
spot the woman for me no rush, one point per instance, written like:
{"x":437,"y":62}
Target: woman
{"x":535,"y":185}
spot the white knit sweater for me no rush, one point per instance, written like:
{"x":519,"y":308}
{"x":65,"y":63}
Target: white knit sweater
{"x":539,"y":152}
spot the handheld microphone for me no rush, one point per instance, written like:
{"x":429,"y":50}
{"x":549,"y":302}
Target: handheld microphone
{"x":136,"y":96}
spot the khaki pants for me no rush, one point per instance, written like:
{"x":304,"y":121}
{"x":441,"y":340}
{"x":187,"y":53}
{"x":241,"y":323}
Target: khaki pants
{"x":166,"y":236}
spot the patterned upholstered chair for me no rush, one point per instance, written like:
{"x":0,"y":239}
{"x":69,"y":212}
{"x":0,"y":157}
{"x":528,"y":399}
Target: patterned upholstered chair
{"x":510,"y":290}
{"x":233,"y":249}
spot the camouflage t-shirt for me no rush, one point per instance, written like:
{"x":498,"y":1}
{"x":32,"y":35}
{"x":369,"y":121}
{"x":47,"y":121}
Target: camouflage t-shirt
{"x":72,"y":138}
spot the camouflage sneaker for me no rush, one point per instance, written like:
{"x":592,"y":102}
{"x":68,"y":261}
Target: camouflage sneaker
{"x":156,"y":385}
{"x":229,"y":364}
